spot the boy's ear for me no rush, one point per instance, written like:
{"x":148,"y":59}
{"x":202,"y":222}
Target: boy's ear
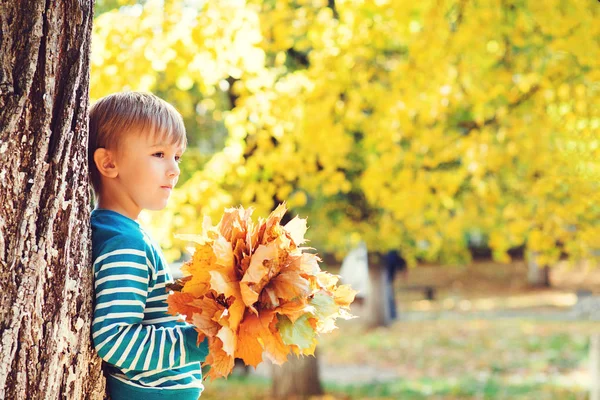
{"x":105,"y":163}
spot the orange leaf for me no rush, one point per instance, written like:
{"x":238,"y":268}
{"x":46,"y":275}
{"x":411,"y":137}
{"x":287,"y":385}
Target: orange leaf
{"x":249,"y":348}
{"x":220,"y":362}
{"x":295,"y":309}
{"x":195,"y":287}
{"x":224,"y":281}
{"x":289,"y":284}
{"x":257,"y":269}
{"x":236,"y":312}
{"x":226,"y":223}
{"x":180,"y":303}
{"x":269,"y":336}
{"x":249,"y":296}
{"x":205,"y":322}
{"x":202,"y":261}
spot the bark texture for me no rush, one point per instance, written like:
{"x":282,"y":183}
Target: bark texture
{"x":45,"y":276}
{"x":298,"y":378}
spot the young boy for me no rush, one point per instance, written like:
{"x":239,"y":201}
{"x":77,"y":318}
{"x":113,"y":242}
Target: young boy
{"x":136,"y":140}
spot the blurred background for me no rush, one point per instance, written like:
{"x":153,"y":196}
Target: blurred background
{"x":445,"y":154}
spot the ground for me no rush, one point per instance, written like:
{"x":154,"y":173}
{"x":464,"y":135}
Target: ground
{"x":486,"y":335}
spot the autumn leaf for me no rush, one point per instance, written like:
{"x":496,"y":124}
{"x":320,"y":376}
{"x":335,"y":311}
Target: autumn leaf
{"x":181,"y":303}
{"x":295,"y":309}
{"x":249,"y":296}
{"x":223,"y":252}
{"x":289,"y":285}
{"x":344,"y":295}
{"x":249,"y":348}
{"x":276,"y":350}
{"x":297,"y":229}
{"x":220,"y":362}
{"x":224,"y":281}
{"x":258,"y":269}
{"x":236,"y":311}
{"x":300,"y":333}
{"x":229,"y":340}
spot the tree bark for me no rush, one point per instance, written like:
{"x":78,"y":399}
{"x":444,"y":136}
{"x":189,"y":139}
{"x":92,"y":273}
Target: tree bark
{"x":298,"y":378}
{"x":377,"y":301}
{"x":45,"y":276}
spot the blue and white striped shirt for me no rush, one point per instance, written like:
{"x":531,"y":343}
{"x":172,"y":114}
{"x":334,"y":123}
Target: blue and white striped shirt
{"x":144,"y":346}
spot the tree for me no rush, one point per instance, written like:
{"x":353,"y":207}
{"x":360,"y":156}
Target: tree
{"x":45,"y":276}
{"x":297,"y":378}
{"x":442,"y":119}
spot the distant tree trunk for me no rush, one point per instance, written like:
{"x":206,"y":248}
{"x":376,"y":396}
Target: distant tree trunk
{"x":45,"y":276}
{"x":378,"y":313}
{"x":298,"y":378}
{"x":537,"y":276}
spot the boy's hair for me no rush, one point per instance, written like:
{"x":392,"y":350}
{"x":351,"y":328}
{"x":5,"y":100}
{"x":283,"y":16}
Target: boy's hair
{"x":119,"y":114}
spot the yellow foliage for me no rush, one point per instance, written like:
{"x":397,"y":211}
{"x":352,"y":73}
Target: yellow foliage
{"x":411,"y":126}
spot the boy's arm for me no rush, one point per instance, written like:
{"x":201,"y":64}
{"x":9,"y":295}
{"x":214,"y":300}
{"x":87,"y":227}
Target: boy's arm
{"x":122,"y":273}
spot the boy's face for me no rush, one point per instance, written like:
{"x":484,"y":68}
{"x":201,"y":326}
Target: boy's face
{"x":147,"y":172}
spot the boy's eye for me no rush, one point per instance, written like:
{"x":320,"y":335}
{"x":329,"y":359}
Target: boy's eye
{"x":178,"y":159}
{"x":159,"y":154}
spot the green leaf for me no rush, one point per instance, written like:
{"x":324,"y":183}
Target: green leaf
{"x":300,"y":333}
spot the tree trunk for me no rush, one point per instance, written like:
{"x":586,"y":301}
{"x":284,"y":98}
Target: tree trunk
{"x":377,"y":301}
{"x":45,"y":272}
{"x":298,"y":378}
{"x":537,"y":276}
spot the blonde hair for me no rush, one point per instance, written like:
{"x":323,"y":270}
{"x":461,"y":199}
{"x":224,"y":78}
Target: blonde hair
{"x":119,"y":114}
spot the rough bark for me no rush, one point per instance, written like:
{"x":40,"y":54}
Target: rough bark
{"x":298,"y":378}
{"x":45,"y":276}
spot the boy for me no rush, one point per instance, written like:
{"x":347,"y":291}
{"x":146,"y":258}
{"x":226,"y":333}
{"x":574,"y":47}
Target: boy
{"x":136,"y":140}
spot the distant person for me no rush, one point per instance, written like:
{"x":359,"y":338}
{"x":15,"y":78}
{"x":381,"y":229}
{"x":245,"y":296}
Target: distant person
{"x":393,"y":263}
{"x":355,"y":271}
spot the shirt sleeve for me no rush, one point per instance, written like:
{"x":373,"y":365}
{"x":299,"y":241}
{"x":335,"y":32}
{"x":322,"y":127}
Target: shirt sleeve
{"x":121,"y":276}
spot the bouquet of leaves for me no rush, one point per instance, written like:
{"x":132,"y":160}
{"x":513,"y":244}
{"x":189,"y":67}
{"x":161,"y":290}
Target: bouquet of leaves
{"x":253,"y":291}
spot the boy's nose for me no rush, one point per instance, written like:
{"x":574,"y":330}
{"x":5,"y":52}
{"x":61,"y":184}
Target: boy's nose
{"x":174,"y":170}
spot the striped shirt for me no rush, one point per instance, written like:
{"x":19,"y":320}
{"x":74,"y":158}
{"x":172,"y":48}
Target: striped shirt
{"x":144,"y":346}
